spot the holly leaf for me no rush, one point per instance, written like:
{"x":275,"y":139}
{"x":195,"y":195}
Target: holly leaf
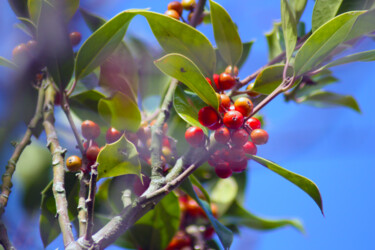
{"x":302,"y":182}
{"x":289,"y":25}
{"x":118,"y":158}
{"x":5,"y":62}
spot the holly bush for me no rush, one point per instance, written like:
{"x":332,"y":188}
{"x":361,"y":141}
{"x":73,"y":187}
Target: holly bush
{"x":163,"y":139}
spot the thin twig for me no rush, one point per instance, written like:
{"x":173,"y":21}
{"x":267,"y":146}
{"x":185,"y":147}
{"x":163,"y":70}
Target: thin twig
{"x":90,"y":203}
{"x":197,"y":14}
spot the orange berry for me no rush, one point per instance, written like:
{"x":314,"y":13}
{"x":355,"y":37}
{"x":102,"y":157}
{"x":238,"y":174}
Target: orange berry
{"x":175,"y":5}
{"x":231,"y":71}
{"x":172,"y":13}
{"x":73,"y":163}
{"x":244,"y":106}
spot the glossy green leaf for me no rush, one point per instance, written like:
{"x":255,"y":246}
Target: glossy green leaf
{"x":324,"y":10}
{"x":226,"y":35}
{"x":238,"y":215}
{"x":34,"y":7}
{"x":93,"y":21}
{"x":365,"y":24}
{"x":274,"y":41}
{"x":319,"y":81}
{"x":302,"y":182}
{"x":184,"y":70}
{"x":53,"y":38}
{"x":224,"y":193}
{"x":299,"y":7}
{"x":118,"y":158}
{"x":19,"y":7}
{"x":101,"y":44}
{"x":289,"y":25}
{"x":48,"y":222}
{"x":221,"y":64}
{"x":224,"y":234}
{"x":270,"y":78}
{"x":187,"y":106}
{"x":322,"y":98}
{"x":121,"y":112}
{"x":365,"y":56}
{"x":323,"y":41}
{"x":5,"y":62}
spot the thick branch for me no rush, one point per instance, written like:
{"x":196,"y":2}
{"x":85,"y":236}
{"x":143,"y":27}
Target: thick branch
{"x":197,"y":15}
{"x":4,"y":240}
{"x":11,"y":167}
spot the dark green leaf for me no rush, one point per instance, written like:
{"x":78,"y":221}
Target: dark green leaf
{"x":274,"y":41}
{"x":224,"y":234}
{"x":270,"y":78}
{"x":121,"y":112}
{"x":226,"y":35}
{"x":7,"y":63}
{"x":323,"y":41}
{"x":299,"y":7}
{"x":224,"y":193}
{"x":19,"y":7}
{"x":289,"y":25}
{"x":322,"y":98}
{"x":365,"y":24}
{"x":94,"y":22}
{"x":221,"y":64}
{"x":365,"y":56}
{"x":184,"y":70}
{"x":54,"y":40}
{"x":237,"y":215}
{"x":349,"y":5}
{"x":302,"y":182}
{"x":118,"y":158}
{"x":324,"y":10}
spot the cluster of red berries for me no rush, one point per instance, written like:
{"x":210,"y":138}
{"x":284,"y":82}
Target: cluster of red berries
{"x":233,"y":128}
{"x":175,"y":9}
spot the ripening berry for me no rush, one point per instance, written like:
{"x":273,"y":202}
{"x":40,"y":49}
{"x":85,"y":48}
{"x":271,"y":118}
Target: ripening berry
{"x":224,"y":103}
{"x":233,"y":119}
{"x":253,"y":123}
{"x":193,"y":209}
{"x":166,"y":151}
{"x":172,"y":13}
{"x":244,"y":106}
{"x":222,"y":135}
{"x":239,"y":167}
{"x":223,"y":170}
{"x":250,"y":148}
{"x":215,"y":126}
{"x":90,"y":130}
{"x":233,"y":72}
{"x":207,"y":116}
{"x":112,"y":135}
{"x":73,"y":163}
{"x":180,"y":240}
{"x":75,"y":38}
{"x":239,"y":137}
{"x":226,"y":81}
{"x":175,"y":5}
{"x":188,"y":4}
{"x":195,"y":136}
{"x":92,"y":153}
{"x":259,"y":136}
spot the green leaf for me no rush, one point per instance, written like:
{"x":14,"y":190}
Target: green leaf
{"x":221,"y":64}
{"x":324,"y":10}
{"x":224,"y":234}
{"x":322,"y":98}
{"x":365,"y":24}
{"x":53,"y":38}
{"x":224,"y":193}
{"x":302,"y":182}
{"x":226,"y":35}
{"x":274,"y":41}
{"x":184,"y":70}
{"x":48,"y":222}
{"x":319,"y":81}
{"x":187,"y":106}
{"x":118,"y":158}
{"x":101,"y":44}
{"x":323,"y":41}
{"x":5,"y":62}
{"x":365,"y":56}
{"x":299,"y":7}
{"x":270,"y":78}
{"x":93,"y":21}
{"x":34,"y":7}
{"x":349,"y":5}
{"x":239,"y":216}
{"x":194,"y":180}
{"x":289,"y":25}
{"x":121,"y":112}
{"x":19,"y":7}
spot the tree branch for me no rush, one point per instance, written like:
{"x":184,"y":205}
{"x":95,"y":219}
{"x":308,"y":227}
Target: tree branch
{"x":4,"y":240}
{"x":197,"y":13}
{"x":90,"y":202}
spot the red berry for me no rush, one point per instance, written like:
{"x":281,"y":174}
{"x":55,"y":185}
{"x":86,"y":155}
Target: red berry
{"x":224,"y":103}
{"x":92,"y":153}
{"x":140,"y":188}
{"x":93,"y":143}
{"x":236,"y":155}
{"x":226,"y":81}
{"x":166,"y":142}
{"x":259,"y":136}
{"x":239,"y":137}
{"x":195,"y":136}
{"x":209,"y":232}
{"x":240,"y":166}
{"x":216,"y":78}
{"x":217,"y":125}
{"x":175,"y":5}
{"x":222,"y":135}
{"x":233,"y":119}
{"x":253,"y":123}
{"x":207,"y":116}
{"x":90,"y":130}
{"x":181,"y":240}
{"x":250,"y":148}
{"x":223,"y":170}
{"x":75,"y":38}
{"x":112,"y":135}
{"x":244,"y":106}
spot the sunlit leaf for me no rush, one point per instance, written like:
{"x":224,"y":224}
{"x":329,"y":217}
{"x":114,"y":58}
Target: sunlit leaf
{"x":324,"y":10}
{"x":270,"y":78}
{"x":365,"y":56}
{"x":224,"y":193}
{"x":299,"y":7}
{"x":289,"y":25}
{"x":274,"y":41}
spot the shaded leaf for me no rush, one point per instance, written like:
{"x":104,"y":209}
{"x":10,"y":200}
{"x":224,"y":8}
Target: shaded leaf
{"x":319,"y":81}
{"x":365,"y":56}
{"x":19,"y":7}
{"x":118,"y":158}
{"x":5,"y":62}
{"x":274,"y":41}
{"x":221,"y":64}
{"x":93,"y":21}
{"x":299,"y":7}
{"x":349,"y":5}
{"x":289,"y":25}
{"x":365,"y":24}
{"x":224,"y":193}
{"x":302,"y":182}
{"x":324,"y":10}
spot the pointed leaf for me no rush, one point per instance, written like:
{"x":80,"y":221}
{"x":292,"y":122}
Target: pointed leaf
{"x":221,"y":64}
{"x":184,"y":70}
{"x":302,"y":182}
{"x":324,"y":10}
{"x":289,"y":25}
{"x":121,"y":112}
{"x":5,"y":62}
{"x":323,"y":41}
{"x":365,"y":24}
{"x":365,"y":56}
{"x":350,"y":5}
{"x":194,"y":180}
{"x":118,"y":158}
{"x":299,"y":7}
{"x":274,"y":41}
{"x":226,"y":35}
{"x":19,"y":7}
{"x":93,"y":21}
{"x":34,"y":7}
{"x":224,"y":193}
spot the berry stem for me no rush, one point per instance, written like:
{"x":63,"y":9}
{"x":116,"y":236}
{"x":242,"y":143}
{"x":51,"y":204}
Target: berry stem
{"x":197,"y":13}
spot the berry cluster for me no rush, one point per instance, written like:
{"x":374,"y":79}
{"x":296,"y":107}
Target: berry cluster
{"x":234,"y":129}
{"x":175,"y":9}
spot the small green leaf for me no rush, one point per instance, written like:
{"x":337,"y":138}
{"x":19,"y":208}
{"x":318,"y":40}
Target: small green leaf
{"x":274,"y":41}
{"x":365,"y":24}
{"x":187,"y":106}
{"x":93,"y":21}
{"x":5,"y":62}
{"x":239,"y":216}
{"x":101,"y":44}
{"x":365,"y":56}
{"x":224,"y":234}
{"x":323,"y":41}
{"x":322,"y":98}
{"x":226,"y":35}
{"x":324,"y":10}
{"x":299,"y":7}
{"x":118,"y":158}
{"x":224,"y":193}
{"x":270,"y":78}
{"x":184,"y":70}
{"x":289,"y":25}
{"x":121,"y":112}
{"x":302,"y":182}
